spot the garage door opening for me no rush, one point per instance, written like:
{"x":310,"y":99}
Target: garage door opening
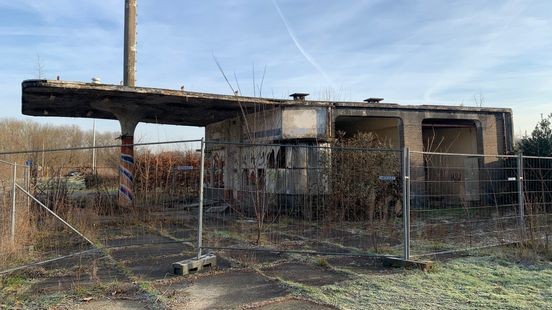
{"x":386,"y":129}
{"x":450,"y":136}
{"x":451,"y":179}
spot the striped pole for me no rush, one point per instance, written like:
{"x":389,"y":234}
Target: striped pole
{"x":126,"y":172}
{"x":128,"y":122}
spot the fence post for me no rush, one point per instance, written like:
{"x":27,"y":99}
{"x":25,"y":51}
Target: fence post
{"x":28,"y":183}
{"x":14,"y":191}
{"x":406,"y":201}
{"x":521,"y":198}
{"x":200,"y":207}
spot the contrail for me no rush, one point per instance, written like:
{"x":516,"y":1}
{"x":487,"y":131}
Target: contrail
{"x":298,"y":45}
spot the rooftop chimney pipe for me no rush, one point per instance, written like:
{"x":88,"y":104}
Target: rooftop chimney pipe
{"x":373,"y":100}
{"x":299,"y":96}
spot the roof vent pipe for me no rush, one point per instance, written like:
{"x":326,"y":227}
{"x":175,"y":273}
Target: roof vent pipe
{"x":373,"y":100}
{"x":299,"y":96}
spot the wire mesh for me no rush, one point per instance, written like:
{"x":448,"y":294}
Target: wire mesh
{"x":461,"y":201}
{"x":159,"y":228}
{"x":306,"y":198}
{"x":302,"y":198}
{"x":537,"y":194}
{"x":14,"y":208}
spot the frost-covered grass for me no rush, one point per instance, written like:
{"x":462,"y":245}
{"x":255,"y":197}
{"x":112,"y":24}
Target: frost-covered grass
{"x":505,"y":278}
{"x":486,"y":282}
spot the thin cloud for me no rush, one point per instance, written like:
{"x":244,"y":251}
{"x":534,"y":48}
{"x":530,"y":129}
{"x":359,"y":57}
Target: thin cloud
{"x":482,"y":57}
{"x":307,"y":56}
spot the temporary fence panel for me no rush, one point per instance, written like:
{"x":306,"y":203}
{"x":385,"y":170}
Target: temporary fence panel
{"x":462,"y":201}
{"x":14,"y":208}
{"x":537,"y":194}
{"x":294,"y":198}
{"x":63,"y":201}
{"x":302,"y":198}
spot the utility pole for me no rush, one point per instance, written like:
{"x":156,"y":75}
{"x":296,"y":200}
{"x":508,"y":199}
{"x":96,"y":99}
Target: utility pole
{"x":130,"y":43}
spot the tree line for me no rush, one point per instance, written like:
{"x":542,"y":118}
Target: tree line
{"x":28,"y":135}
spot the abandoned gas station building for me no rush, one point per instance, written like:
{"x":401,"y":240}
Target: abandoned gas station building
{"x":288,"y":170}
{"x":460,"y":129}
{"x":240,"y":119}
{"x":453,"y":129}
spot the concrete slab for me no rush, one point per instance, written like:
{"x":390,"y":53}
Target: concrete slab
{"x":253,"y":257}
{"x":110,"y":305}
{"x":137,"y":240}
{"x":72,"y":274}
{"x":325,"y":247}
{"x":177,"y":107}
{"x":230,"y":290}
{"x":154,"y":268}
{"x":362,"y":265}
{"x":144,"y":252}
{"x":161,"y":106}
{"x":293,"y":304}
{"x":356,"y":262}
{"x":189,"y":235}
{"x":305,"y":274}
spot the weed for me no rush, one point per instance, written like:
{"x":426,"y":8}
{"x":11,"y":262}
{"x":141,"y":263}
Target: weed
{"x":13,"y":282}
{"x":322,"y":262}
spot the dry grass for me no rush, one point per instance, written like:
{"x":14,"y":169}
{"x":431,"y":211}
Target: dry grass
{"x":84,"y":202}
{"x":16,"y":251}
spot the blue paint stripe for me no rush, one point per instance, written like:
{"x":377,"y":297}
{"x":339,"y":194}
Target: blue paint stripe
{"x":125,"y":191}
{"x":127,"y":174}
{"x":268,"y":133}
{"x":127,"y":158}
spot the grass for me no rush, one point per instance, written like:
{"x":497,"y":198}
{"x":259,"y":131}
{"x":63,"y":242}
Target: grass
{"x":486,"y":282}
{"x":12,"y":288}
{"x":16,"y":292}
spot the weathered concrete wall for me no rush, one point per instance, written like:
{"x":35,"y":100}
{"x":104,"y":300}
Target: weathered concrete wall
{"x":287,"y":123}
{"x":492,"y":132}
{"x":229,"y":130}
{"x":224,"y":159}
{"x":263,"y":126}
{"x":492,"y":135}
{"x":304,"y":123}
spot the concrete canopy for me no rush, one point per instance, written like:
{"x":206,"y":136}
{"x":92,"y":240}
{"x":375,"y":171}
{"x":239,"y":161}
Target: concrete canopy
{"x":150,"y":105}
{"x":175,"y":107}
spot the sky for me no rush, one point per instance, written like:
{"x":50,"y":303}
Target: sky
{"x":494,"y":53}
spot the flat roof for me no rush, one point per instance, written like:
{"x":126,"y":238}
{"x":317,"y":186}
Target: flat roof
{"x":176,"y":107}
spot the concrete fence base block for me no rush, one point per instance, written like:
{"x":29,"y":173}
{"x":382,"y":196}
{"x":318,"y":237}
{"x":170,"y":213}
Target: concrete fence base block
{"x":194,"y":264}
{"x":393,"y":262}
